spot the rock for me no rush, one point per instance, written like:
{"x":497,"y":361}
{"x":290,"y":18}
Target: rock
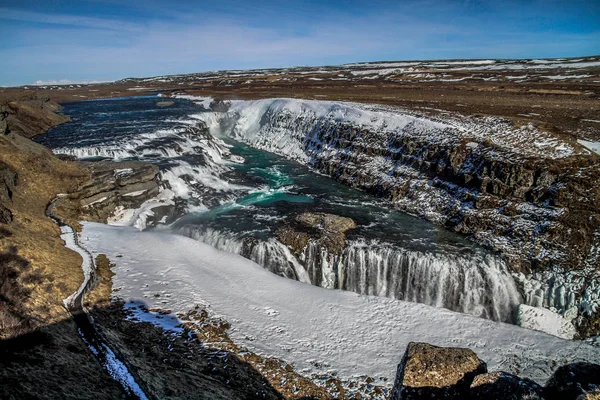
{"x":3,"y":127}
{"x":164,"y":103}
{"x":114,"y":186}
{"x":30,"y":116}
{"x":8,"y":181}
{"x":220,"y":105}
{"x":6,"y":216}
{"x":504,"y":386}
{"x":544,"y":320}
{"x":593,"y":395}
{"x":427,"y":372}
{"x":573,"y":380}
{"x":328,"y":230}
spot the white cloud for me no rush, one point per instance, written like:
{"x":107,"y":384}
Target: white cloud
{"x":66,"y":82}
{"x":64,"y":19}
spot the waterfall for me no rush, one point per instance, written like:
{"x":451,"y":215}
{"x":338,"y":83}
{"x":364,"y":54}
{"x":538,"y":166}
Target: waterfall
{"x":475,"y":284}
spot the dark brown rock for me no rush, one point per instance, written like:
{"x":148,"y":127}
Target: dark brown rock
{"x":328,"y":230}
{"x":427,"y":372}
{"x":8,"y":181}
{"x":6,"y":216}
{"x":504,"y":386}
{"x":573,"y":380}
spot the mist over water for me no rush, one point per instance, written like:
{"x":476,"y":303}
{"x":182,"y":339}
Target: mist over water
{"x":235,"y":197}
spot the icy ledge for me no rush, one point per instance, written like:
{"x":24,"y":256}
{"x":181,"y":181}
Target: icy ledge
{"x":315,"y":329}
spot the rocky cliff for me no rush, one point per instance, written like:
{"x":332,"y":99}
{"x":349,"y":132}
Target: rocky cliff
{"x":29,"y":115}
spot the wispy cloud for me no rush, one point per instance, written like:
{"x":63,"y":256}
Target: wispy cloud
{"x":68,"y":20}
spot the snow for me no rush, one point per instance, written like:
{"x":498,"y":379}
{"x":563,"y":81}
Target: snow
{"x":120,"y":373}
{"x":68,"y":235}
{"x":286,"y":126}
{"x":200,"y":100}
{"x":561,"y":77}
{"x":138,"y":217}
{"x":317,"y":330}
{"x":136,"y":193}
{"x":115,"y":367}
{"x":97,"y":201}
{"x":377,"y":71}
{"x":591,"y":145}
{"x":544,"y":320}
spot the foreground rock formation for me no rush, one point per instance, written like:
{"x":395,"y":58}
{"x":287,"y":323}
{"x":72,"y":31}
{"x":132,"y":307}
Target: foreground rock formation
{"x":431,"y":372}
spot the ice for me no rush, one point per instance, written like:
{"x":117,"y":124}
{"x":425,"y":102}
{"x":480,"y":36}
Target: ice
{"x":591,"y":145}
{"x":315,"y":329}
{"x":200,"y":100}
{"x":290,"y":126}
{"x":68,"y":235}
{"x":544,"y":320}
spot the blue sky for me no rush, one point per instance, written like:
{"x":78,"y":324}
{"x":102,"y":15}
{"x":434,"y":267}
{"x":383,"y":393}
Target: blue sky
{"x":111,"y":39}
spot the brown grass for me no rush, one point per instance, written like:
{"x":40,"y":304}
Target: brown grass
{"x":35,"y":236}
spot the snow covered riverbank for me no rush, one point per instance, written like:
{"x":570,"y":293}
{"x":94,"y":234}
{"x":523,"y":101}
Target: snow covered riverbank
{"x":315,"y":329}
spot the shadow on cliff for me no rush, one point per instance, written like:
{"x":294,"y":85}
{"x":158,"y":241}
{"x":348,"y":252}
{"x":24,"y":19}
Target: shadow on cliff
{"x":53,"y":362}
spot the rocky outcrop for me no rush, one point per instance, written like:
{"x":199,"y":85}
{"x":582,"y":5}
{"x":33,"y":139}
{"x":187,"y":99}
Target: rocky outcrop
{"x":8,"y":182}
{"x":504,"y":386}
{"x":30,"y":116}
{"x":111,"y":186}
{"x":326,"y":230}
{"x":428,"y":371}
{"x":572,"y":381}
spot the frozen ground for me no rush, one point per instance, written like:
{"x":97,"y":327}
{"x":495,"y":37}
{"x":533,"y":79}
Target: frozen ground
{"x":315,"y":329}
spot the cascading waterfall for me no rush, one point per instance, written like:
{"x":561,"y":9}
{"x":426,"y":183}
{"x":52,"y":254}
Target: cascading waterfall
{"x":271,"y":254}
{"x":479,"y":285}
{"x":224,"y":198}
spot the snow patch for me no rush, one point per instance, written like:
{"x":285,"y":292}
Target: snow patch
{"x":544,"y":320}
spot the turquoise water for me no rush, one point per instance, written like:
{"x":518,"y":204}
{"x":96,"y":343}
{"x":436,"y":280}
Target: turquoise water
{"x":275,"y":187}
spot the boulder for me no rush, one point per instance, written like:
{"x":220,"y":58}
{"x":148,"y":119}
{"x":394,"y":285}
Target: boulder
{"x":504,"y":386}
{"x":427,"y":372}
{"x":593,"y":395}
{"x":328,"y":230}
{"x":573,"y":381}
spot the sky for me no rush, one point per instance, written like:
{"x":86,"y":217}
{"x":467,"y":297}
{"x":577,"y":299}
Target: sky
{"x":49,"y":41}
